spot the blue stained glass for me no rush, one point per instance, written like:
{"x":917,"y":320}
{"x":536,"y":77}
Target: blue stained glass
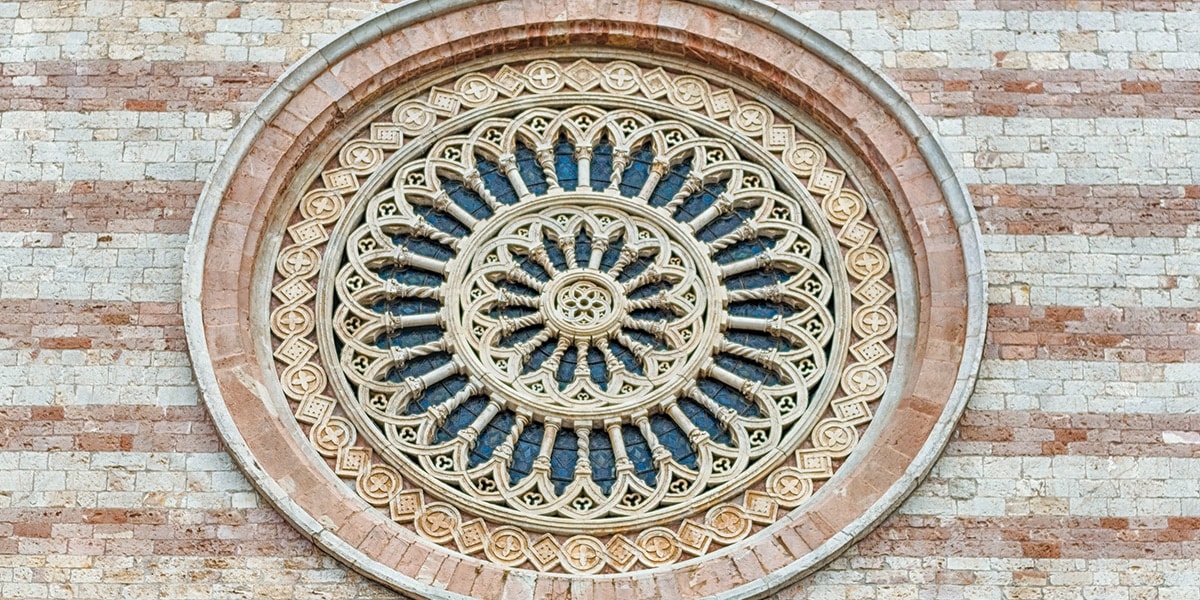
{"x":462,"y":416}
{"x":700,"y":417}
{"x":724,"y":224}
{"x":650,"y":289}
{"x":638,"y":451}
{"x":563,"y":459}
{"x":539,"y":356}
{"x":643,"y":337}
{"x":423,"y":246}
{"x":419,"y":366}
{"x":526,"y":451}
{"x":699,"y":201}
{"x":466,"y":198}
{"x":761,"y":341}
{"x":566,"y":368}
{"x":672,"y":437}
{"x":653,"y":314}
{"x":441,"y":220}
{"x":531,"y":172}
{"x":746,"y":369}
{"x":530,"y":266}
{"x":516,"y":288}
{"x":596,"y":368}
{"x":409,"y":337}
{"x":406,"y":306}
{"x":635,"y":268}
{"x":566,"y":167}
{"x":638,"y":171}
{"x":728,"y":397}
{"x":670,"y":185}
{"x":611,"y":254}
{"x":625,"y":355}
{"x":756,"y":279}
{"x":495,"y":181}
{"x":602,"y":166}
{"x":521,"y":335}
{"x":511,"y":312}
{"x":411,"y":276}
{"x":555,"y":254}
{"x":492,"y":436}
{"x":583,"y":247}
{"x":742,"y":250}
{"x":760,"y":309}
{"x":604,"y":467}
{"x":437,"y":394}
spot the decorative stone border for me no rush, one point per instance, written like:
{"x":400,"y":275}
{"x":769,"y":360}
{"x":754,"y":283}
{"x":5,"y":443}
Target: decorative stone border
{"x":233,"y":362}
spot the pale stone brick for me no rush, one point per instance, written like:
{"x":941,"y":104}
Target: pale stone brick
{"x":1139,"y":21}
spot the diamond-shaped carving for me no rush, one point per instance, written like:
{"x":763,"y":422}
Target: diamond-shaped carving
{"x":295,"y":350}
{"x":343,"y":180}
{"x":313,"y":409}
{"x":293,"y":290}
{"x":657,"y":83}
{"x":406,"y":505}
{"x":826,"y":182}
{"x":351,"y":461}
{"x":760,"y":507}
{"x":856,"y":233}
{"x":694,"y":538}
{"x":545,"y":552}
{"x":780,"y":137}
{"x":387,"y":134}
{"x":508,"y":80}
{"x":582,"y":75}
{"x":722,"y":103}
{"x":622,"y":553}
{"x":308,"y":232}
{"x":444,"y":101}
{"x":471,"y":536}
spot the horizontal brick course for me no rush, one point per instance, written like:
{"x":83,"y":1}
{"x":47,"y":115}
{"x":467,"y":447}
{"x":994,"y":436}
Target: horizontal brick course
{"x":107,"y":428}
{"x":143,"y":86}
{"x":1119,"y":210}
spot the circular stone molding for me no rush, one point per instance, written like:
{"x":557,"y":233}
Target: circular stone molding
{"x":493,"y":303}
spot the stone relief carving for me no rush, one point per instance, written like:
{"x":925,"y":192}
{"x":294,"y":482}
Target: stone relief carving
{"x":583,"y":317}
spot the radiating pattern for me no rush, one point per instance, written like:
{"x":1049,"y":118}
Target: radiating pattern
{"x":502,"y":326}
{"x":584,"y":314}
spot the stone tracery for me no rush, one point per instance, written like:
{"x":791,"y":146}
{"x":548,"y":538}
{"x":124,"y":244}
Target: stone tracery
{"x":494,"y":261}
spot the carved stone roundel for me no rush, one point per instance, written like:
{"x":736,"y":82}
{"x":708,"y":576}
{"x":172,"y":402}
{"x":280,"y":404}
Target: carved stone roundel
{"x":590,"y":299}
{"x":494,"y":316}
{"x":587,"y":314}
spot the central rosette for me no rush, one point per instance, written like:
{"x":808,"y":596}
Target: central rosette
{"x":585,"y":303}
{"x":583,"y":307}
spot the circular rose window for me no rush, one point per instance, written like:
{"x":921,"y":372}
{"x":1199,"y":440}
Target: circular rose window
{"x":490,"y":314}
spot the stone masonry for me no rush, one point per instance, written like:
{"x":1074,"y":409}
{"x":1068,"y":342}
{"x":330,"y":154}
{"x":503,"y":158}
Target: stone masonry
{"x":1075,"y":471}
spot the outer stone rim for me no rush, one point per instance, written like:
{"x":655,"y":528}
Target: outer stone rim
{"x":216,"y":317}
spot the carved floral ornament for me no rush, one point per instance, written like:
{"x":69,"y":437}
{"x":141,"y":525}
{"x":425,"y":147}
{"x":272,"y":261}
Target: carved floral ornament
{"x":583,"y":318}
{"x":578,"y":316}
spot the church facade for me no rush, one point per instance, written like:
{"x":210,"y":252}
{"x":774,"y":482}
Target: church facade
{"x":510,"y":300}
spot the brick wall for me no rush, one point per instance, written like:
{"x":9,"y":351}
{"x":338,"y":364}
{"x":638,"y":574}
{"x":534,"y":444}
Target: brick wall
{"x":1075,"y":471}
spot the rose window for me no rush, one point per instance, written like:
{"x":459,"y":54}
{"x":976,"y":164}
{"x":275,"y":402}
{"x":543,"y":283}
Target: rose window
{"x":582,"y":304}
{"x":583,"y":314}
{"x":582,"y":317}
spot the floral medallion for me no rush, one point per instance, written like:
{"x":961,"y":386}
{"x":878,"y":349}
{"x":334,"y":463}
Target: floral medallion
{"x":497,"y":317}
{"x":585,"y":322}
